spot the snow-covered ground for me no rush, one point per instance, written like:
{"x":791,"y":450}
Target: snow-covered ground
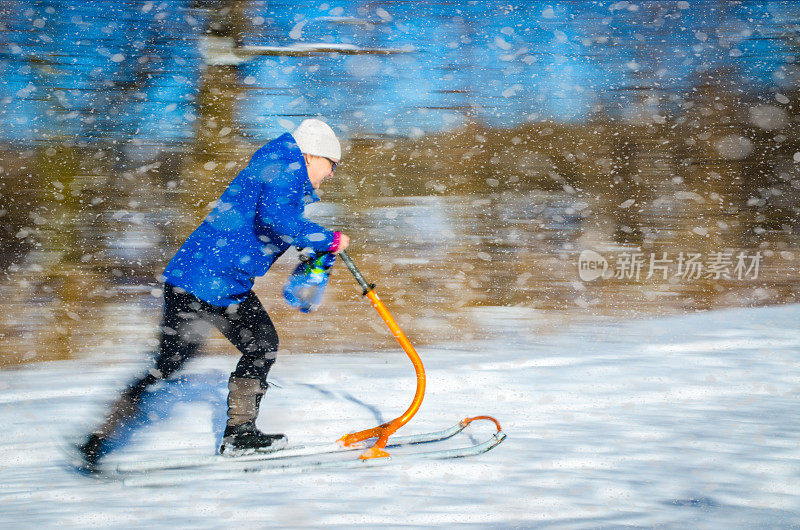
{"x":682,"y":422}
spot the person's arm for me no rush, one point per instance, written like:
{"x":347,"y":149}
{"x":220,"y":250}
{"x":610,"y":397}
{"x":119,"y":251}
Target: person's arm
{"x":281,"y":208}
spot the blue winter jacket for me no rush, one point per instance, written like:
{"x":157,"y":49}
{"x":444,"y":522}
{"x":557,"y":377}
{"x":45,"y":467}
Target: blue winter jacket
{"x":255,"y":220}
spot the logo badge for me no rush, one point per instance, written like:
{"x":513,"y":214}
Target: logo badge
{"x":591,"y":266}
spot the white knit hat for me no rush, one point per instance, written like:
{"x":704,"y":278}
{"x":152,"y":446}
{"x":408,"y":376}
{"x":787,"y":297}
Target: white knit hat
{"x":315,"y":137}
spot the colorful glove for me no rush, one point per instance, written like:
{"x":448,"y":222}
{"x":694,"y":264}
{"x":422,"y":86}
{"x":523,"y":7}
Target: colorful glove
{"x":306,"y":285}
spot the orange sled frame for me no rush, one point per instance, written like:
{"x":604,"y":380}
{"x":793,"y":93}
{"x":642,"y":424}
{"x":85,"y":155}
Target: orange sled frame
{"x":382,"y":432}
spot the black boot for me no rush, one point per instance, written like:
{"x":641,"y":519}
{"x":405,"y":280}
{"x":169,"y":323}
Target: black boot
{"x":94,"y":446}
{"x":245,"y":439}
{"x":84,"y":457}
{"x":241,"y":435}
{"x":89,"y":453}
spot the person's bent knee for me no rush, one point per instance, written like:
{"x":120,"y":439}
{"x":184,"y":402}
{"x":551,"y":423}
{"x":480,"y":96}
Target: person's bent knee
{"x":255,"y":366}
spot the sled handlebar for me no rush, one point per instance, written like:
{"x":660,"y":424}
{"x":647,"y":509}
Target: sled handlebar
{"x":366,"y":286}
{"x":382,"y":432}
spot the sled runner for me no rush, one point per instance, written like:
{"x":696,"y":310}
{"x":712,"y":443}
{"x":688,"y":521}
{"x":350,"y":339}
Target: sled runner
{"x":302,"y":458}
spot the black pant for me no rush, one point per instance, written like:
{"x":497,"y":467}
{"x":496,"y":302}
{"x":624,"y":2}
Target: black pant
{"x":247,"y":325}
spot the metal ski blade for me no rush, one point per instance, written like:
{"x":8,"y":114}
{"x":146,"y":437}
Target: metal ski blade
{"x":170,"y":478}
{"x":289,"y":452}
{"x":207,"y":460}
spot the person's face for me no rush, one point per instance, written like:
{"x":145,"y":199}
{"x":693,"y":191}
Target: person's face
{"x":319,"y":168}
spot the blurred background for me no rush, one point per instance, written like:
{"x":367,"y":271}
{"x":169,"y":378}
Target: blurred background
{"x":488,"y":144}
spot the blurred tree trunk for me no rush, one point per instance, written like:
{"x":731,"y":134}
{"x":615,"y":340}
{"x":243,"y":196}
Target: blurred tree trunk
{"x":213,"y":154}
